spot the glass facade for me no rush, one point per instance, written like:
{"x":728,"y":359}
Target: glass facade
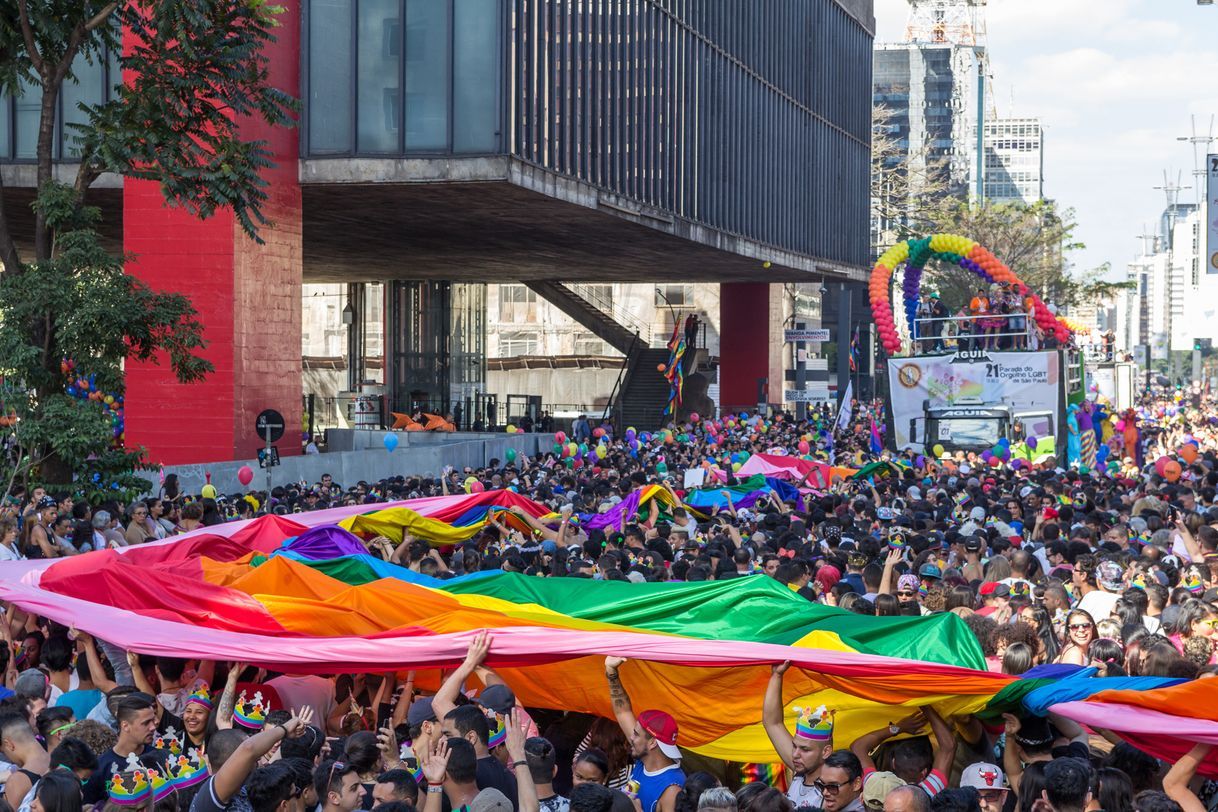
{"x":393,"y":77}
{"x":19,"y":114}
{"x":437,"y":336}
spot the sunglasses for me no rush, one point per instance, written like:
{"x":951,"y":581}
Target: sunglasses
{"x":831,"y":787}
{"x":338,"y":765}
{"x":906,"y":593}
{"x":1077,"y":626}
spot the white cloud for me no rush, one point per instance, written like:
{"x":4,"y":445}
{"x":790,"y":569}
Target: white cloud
{"x":1114,"y":83}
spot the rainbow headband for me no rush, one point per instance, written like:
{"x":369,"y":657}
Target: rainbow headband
{"x":814,"y":725}
{"x":201,"y":696}
{"x":131,"y":787}
{"x":498,"y":731}
{"x":251,"y":715}
{"x":187,"y":772}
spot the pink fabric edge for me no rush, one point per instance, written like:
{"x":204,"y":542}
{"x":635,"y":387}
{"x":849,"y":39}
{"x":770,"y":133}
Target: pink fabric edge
{"x":513,"y":646}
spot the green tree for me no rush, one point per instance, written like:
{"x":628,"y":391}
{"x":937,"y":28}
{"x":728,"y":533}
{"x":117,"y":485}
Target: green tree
{"x":1034,"y":240}
{"x":193,"y":70}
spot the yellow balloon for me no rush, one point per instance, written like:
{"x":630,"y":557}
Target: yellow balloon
{"x":938,"y":449}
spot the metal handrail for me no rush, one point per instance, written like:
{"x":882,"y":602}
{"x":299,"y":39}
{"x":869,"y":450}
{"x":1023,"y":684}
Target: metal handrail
{"x":623,"y":317}
{"x":919,"y":332}
{"x":618,"y":390}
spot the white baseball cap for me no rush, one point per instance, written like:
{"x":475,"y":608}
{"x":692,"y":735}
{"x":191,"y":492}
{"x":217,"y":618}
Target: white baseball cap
{"x":981,"y":776}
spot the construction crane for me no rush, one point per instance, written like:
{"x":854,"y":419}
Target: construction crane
{"x":962,"y":23}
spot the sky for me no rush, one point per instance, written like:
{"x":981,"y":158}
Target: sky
{"x":1114,"y":83}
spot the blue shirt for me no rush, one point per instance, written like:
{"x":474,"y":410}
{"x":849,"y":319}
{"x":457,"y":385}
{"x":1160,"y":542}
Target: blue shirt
{"x":80,"y":701}
{"x":652,"y":785}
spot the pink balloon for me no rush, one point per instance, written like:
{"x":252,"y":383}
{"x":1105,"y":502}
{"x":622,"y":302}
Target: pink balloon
{"x":245,"y":475}
{"x":476,"y":487}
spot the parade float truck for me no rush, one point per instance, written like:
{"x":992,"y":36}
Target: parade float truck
{"x":972,"y":400}
{"x":948,"y":391}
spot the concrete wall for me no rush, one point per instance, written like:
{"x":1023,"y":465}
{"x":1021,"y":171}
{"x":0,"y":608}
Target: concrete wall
{"x":418,"y":453}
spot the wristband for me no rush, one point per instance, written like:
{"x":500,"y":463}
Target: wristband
{"x":521,"y":763}
{"x":435,"y":790}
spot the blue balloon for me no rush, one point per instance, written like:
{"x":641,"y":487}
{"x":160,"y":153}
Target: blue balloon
{"x":390,"y":441}
{"x":1102,"y":453}
{"x":72,"y":390}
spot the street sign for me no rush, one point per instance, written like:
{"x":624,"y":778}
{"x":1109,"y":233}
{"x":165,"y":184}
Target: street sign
{"x":269,"y":425}
{"x":268,"y":457}
{"x":805,"y":395}
{"x":805,"y":335}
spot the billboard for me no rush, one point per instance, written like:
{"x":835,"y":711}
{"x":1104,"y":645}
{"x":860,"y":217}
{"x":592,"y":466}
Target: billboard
{"x":1211,"y":214}
{"x":1025,"y":381}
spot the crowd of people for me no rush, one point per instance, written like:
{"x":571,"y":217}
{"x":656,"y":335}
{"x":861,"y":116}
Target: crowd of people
{"x":1047,"y":565}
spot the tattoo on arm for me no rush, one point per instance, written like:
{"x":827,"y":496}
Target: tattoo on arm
{"x":617,"y":693}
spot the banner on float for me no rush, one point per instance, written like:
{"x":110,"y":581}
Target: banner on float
{"x":1211,"y":214}
{"x":1025,"y":381}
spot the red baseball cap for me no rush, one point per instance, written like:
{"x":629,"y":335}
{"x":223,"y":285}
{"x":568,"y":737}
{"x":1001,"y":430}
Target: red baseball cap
{"x":663,"y":728}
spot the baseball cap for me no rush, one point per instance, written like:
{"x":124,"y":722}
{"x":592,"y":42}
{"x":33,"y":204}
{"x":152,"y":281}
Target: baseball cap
{"x":930,"y":571}
{"x":983,"y":776}
{"x":420,"y":712}
{"x":33,"y":684}
{"x":47,"y":502}
{"x":973,"y":544}
{"x":664,"y":729}
{"x":993,"y":589}
{"x":498,"y":698}
{"x":876,"y":788}
{"x":490,"y":800}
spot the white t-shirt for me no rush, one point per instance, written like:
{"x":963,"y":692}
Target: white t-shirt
{"x":1098,"y":604}
{"x":9,"y":554}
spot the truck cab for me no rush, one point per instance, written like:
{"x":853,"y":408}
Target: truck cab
{"x":977,"y":427}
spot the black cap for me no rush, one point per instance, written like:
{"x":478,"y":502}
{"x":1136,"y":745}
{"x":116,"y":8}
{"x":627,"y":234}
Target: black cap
{"x":420,"y":712}
{"x":498,"y":698}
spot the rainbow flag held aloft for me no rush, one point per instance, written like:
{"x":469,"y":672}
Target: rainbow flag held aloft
{"x":303,"y":595}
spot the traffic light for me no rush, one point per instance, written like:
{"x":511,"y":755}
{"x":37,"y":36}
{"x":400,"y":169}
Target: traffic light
{"x":1196,"y":345}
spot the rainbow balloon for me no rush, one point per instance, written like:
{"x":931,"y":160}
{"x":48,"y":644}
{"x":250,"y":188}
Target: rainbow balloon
{"x":954,"y":250}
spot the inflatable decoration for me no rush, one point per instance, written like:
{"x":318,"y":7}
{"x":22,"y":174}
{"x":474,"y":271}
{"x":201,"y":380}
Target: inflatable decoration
{"x":954,"y":250}
{"x":84,"y":387}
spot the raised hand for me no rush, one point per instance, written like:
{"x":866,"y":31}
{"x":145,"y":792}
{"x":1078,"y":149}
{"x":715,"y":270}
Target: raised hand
{"x":435,"y":766}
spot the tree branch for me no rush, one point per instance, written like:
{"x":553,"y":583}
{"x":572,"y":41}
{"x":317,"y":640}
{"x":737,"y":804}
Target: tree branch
{"x":27,"y":32}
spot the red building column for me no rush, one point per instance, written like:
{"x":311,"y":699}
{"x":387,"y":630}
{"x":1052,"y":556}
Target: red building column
{"x":247,"y":296}
{"x":747,"y":349}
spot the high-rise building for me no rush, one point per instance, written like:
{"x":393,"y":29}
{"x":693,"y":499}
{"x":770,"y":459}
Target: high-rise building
{"x":929,"y":91}
{"x":1014,"y":160}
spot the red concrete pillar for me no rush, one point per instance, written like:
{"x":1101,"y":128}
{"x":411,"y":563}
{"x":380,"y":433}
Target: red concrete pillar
{"x":747,"y":348}
{"x":247,"y":296}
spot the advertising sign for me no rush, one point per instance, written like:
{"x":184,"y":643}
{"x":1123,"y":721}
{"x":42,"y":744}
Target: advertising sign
{"x":1025,"y":381}
{"x":805,"y":335}
{"x":1211,"y":214}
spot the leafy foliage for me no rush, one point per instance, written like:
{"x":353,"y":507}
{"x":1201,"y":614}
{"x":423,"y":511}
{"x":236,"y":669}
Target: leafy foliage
{"x":195,"y":72}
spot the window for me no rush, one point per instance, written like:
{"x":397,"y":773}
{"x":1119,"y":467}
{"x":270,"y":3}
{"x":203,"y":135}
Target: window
{"x":379,"y":54}
{"x":588,"y":344}
{"x":517,"y":304}
{"x":427,"y":77}
{"x":329,"y":107}
{"x":674,"y":295}
{"x":519,"y":342}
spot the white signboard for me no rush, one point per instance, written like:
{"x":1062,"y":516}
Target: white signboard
{"x":694,"y":478}
{"x":805,"y":335}
{"x":1025,"y":381}
{"x":805,"y":395}
{"x":1211,"y":214}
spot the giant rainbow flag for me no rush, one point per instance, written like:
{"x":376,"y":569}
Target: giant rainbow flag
{"x":303,"y":595}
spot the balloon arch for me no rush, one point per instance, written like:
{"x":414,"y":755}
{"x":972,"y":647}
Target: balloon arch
{"x":954,"y":250}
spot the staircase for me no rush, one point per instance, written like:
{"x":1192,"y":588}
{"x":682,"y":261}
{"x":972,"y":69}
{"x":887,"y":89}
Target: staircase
{"x":645,"y":391}
{"x":594,"y":319}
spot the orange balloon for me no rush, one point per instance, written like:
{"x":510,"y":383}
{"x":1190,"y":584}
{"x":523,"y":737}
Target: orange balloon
{"x":660,"y":367}
{"x":1189,"y":452}
{"x":1171,"y":471}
